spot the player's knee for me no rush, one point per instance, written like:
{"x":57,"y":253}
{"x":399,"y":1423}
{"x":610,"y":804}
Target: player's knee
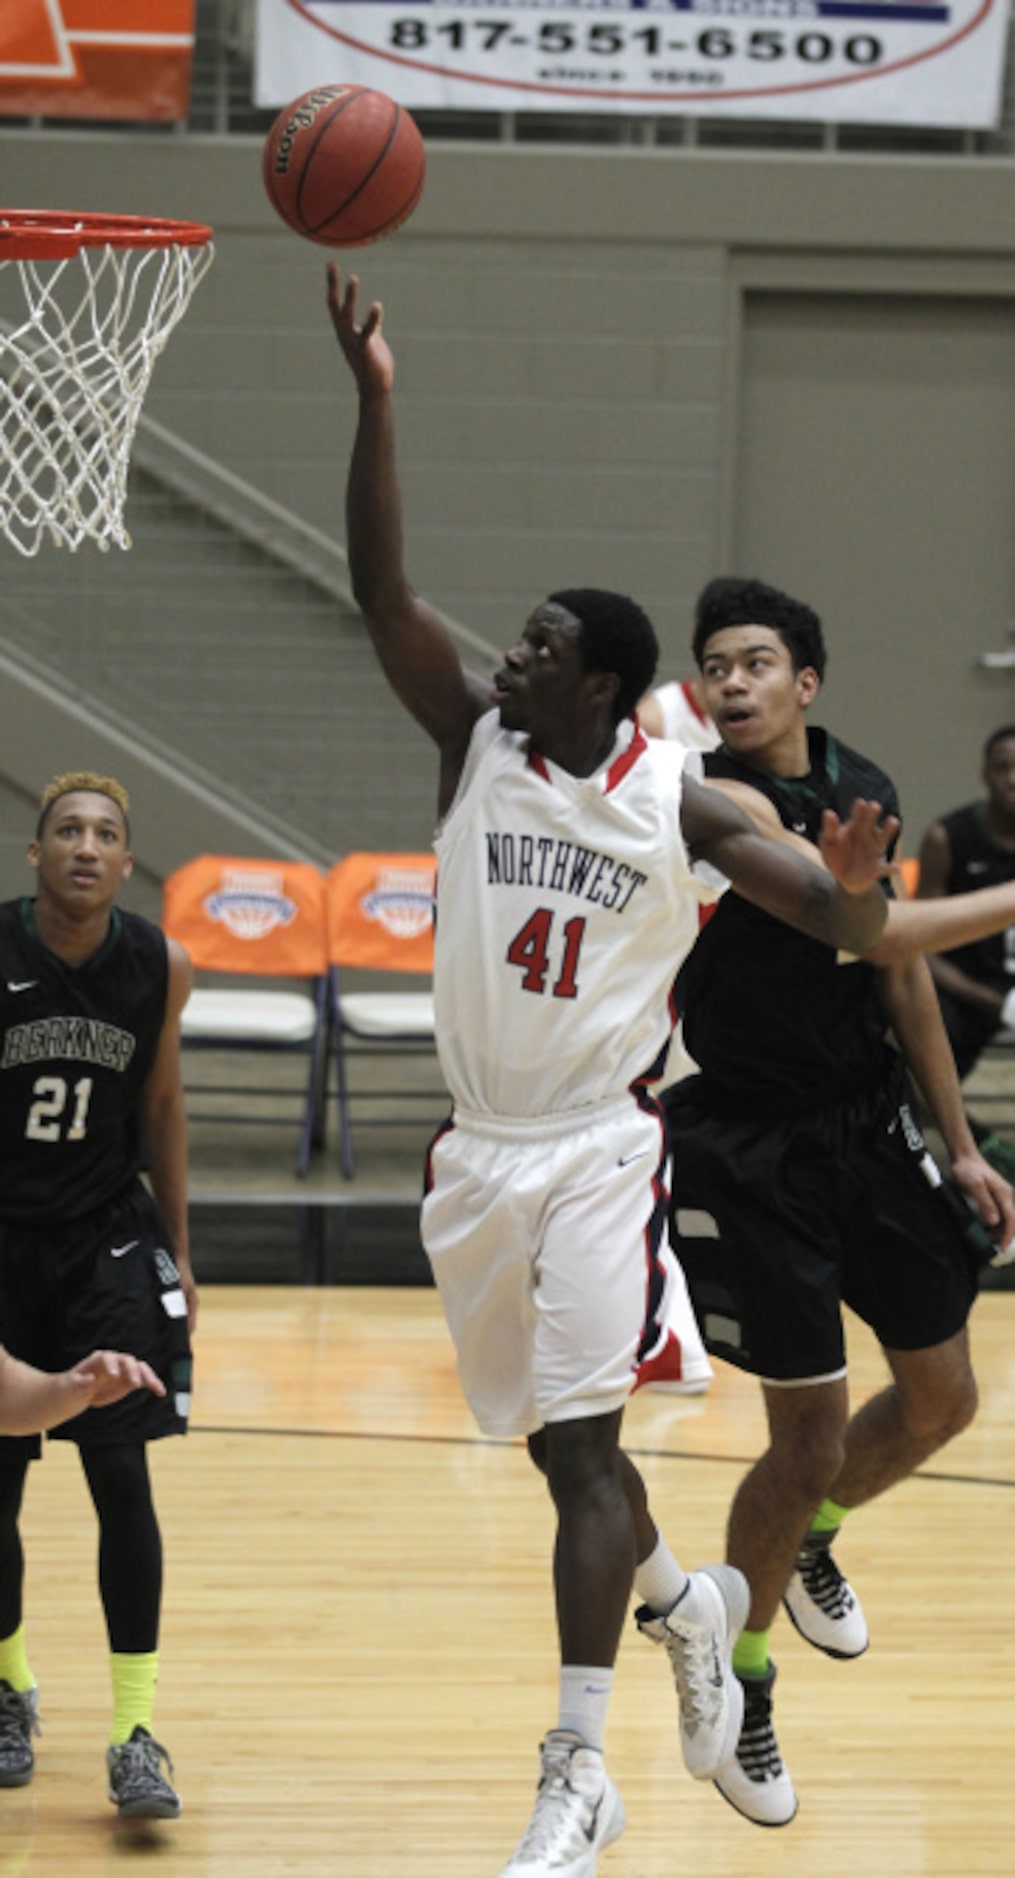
{"x":938,"y":1415}
{"x":581,"y":1458}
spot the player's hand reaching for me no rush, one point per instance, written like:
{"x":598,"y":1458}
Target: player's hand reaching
{"x":108,"y":1375}
{"x":32,"y":1399}
{"x":367,"y":351}
{"x":854,"y":850}
{"x":993,"y":1199}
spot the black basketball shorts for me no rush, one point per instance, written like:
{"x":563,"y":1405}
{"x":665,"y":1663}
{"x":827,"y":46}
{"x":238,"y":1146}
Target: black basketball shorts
{"x":105,"y":1281}
{"x":810,"y":1213}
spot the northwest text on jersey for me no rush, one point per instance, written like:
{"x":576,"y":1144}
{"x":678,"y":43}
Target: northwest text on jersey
{"x":547,"y":862}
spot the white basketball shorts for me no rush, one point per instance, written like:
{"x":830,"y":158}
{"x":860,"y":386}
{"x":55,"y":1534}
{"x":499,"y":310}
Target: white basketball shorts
{"x":550,"y":1249}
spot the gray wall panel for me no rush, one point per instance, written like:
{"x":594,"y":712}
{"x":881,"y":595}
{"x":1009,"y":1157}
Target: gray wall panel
{"x":571,"y":387}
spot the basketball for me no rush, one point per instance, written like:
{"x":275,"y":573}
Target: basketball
{"x":344,"y":165}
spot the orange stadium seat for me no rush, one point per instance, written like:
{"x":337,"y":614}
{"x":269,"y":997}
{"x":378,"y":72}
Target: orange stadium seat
{"x":266,"y":920}
{"x":380,"y":923}
{"x":910,"y":867}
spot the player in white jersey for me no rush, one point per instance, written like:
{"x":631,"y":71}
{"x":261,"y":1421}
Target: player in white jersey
{"x":573,"y":853}
{"x":520,"y":838}
{"x":557,"y":869}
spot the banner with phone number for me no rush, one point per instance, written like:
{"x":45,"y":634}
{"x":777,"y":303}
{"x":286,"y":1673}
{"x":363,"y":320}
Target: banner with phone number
{"x":915,"y":62}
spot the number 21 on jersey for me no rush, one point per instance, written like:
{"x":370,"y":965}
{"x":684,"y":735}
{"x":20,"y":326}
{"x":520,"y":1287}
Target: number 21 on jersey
{"x":60,"y":1110}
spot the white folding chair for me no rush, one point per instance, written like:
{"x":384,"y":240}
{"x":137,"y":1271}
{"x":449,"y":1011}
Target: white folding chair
{"x":264,"y":919}
{"x":380,"y":925}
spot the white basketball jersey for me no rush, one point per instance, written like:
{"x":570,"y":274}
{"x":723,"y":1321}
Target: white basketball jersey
{"x":565,"y":906}
{"x":683,"y":719}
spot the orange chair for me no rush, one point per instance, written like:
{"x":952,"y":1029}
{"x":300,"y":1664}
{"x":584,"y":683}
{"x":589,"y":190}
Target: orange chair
{"x":910,"y":867}
{"x":380,"y":922}
{"x":263,"y":919}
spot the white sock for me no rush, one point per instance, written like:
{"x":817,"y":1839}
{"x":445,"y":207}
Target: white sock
{"x":659,"y":1581}
{"x":584,"y":1696}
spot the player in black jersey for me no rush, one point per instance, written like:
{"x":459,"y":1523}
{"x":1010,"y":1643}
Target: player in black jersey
{"x":967,"y":850}
{"x":90,"y":1092}
{"x":798,"y":1139}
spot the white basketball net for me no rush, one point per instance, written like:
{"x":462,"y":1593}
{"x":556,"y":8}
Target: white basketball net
{"x":76,"y":356}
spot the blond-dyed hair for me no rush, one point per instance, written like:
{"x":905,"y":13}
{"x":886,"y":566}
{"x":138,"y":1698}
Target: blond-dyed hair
{"x":87,"y":779}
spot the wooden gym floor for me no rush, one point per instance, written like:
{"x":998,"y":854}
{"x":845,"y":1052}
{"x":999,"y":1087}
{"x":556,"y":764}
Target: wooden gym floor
{"x":358,"y":1654}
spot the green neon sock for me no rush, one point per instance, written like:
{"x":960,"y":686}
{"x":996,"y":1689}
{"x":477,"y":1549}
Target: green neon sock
{"x":14,"y":1663}
{"x":134,"y":1679}
{"x":750,"y":1652}
{"x":829,"y":1517}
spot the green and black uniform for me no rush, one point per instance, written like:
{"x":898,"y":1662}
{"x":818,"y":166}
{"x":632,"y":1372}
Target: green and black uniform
{"x":798,"y":1137}
{"x":85,"y":1257}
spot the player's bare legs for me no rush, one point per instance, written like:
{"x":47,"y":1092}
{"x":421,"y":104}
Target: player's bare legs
{"x":607,"y":1542}
{"x":597,"y":1545}
{"x":819,"y":1458}
{"x":932,"y":1397}
{"x":769,"y":1518}
{"x":775,"y":1501}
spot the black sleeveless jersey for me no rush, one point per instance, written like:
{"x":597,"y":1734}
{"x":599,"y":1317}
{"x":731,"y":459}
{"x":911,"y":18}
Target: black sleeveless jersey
{"x":977,"y":861}
{"x":76,"y":1048}
{"x":776,"y":1021}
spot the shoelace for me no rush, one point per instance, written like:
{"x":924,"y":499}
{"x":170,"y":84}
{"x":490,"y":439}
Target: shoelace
{"x":825,"y":1584}
{"x":136,"y":1767}
{"x":697,"y":1671}
{"x":559,"y":1810}
{"x":757,"y":1749}
{"x":18,"y":1720}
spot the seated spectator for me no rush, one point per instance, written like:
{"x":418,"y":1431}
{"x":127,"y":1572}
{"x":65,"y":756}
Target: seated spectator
{"x":968,"y":848}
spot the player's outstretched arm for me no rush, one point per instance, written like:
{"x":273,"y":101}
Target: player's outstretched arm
{"x":33,"y":1399}
{"x":939,"y":925}
{"x":414,"y":647}
{"x":776,"y":873}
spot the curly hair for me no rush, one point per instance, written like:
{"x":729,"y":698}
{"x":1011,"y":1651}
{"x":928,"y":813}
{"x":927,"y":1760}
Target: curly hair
{"x":729,"y":601}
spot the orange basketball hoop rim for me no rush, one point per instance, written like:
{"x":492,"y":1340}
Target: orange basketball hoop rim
{"x":54,"y":235}
{"x":87,"y":304}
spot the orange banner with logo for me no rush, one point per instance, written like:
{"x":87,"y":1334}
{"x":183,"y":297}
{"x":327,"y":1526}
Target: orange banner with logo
{"x":238,"y":915}
{"x":381,"y":911}
{"x":96,"y":58}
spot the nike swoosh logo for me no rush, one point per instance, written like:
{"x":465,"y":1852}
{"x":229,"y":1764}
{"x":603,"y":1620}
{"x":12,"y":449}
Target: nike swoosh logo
{"x":117,"y":1251}
{"x":626,"y":1159}
{"x":21,"y":984}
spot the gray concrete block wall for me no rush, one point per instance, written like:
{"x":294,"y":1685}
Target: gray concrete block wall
{"x":202,"y":646}
{"x":547,"y":394}
{"x":566,"y":328}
